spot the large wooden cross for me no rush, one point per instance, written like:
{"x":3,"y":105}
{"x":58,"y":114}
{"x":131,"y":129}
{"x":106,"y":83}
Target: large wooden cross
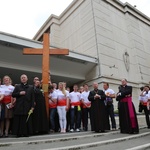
{"x":46,"y":52}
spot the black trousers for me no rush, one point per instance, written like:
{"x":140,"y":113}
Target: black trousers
{"x":110,"y":111}
{"x":146,"y":111}
{"x":86,"y":113}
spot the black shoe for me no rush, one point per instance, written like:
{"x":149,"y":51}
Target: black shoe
{"x":18,"y":136}
{"x":6,"y":136}
{"x":131,"y":132}
{"x":85,"y":129}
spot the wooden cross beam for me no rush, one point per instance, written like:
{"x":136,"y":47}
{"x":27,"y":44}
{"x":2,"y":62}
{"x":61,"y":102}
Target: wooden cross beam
{"x":45,"y":52}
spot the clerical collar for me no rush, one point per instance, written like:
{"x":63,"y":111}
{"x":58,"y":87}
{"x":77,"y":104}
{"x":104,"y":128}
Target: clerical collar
{"x":24,"y":83}
{"x":95,"y":89}
{"x":124,"y":85}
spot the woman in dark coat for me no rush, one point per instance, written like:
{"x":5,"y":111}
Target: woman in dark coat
{"x":40,"y":119}
{"x":99,"y":116}
{"x":24,"y":94}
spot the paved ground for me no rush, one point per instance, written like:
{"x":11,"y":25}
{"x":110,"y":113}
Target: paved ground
{"x":83,"y":140}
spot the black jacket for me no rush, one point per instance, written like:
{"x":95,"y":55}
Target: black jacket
{"x":23,"y":102}
{"x":93,"y":93}
{"x":124,"y":90}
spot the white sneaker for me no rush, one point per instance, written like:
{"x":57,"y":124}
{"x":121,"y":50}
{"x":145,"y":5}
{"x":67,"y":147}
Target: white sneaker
{"x":113,"y":129}
{"x":77,"y":130}
{"x":71,"y":130}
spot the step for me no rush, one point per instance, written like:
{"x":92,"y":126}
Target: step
{"x":100,"y":143}
{"x":71,"y":138}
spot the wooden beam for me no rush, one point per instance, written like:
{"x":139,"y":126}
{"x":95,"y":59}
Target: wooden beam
{"x":32,"y":51}
{"x":59,"y":51}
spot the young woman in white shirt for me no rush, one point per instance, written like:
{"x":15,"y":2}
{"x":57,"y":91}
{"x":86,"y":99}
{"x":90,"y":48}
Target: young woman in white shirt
{"x":62,"y":105}
{"x":7,"y":104}
{"x":1,"y":111}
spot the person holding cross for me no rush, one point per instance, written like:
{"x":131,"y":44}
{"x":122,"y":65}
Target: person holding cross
{"x":46,"y":52}
{"x":40,"y":119}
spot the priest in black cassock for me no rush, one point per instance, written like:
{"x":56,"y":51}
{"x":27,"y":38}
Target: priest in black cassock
{"x":24,"y":106}
{"x":99,"y":116}
{"x":40,"y":119}
{"x":127,"y":115}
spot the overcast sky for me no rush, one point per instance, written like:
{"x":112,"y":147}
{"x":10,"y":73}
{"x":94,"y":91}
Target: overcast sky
{"x":25,"y":17}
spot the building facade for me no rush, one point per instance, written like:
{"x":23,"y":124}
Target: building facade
{"x":117,"y":34}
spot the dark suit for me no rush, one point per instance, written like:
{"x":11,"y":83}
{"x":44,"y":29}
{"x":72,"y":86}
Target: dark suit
{"x":22,"y":127}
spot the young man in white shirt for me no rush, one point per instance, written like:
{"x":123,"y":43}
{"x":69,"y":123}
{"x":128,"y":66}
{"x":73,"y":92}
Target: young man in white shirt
{"x":86,"y":106}
{"x":53,"y":106}
{"x":75,"y":110}
{"x":144,"y":97}
{"x":110,"y":94}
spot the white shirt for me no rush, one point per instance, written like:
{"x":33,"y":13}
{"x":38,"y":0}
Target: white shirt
{"x":148,"y":95}
{"x":84,"y":96}
{"x":8,"y":89}
{"x":2,"y":91}
{"x":109,"y":91}
{"x":144,"y":97}
{"x":53,"y":95}
{"x":61,"y":96}
{"x":75,"y":97}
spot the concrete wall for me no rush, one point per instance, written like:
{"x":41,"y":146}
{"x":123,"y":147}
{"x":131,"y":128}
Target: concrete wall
{"x":106,"y":30}
{"x":116,"y":33}
{"x":77,"y":31}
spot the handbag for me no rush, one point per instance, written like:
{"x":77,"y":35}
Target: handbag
{"x":140,"y":108}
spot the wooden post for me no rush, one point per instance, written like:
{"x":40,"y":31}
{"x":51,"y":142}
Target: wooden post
{"x":45,"y":52}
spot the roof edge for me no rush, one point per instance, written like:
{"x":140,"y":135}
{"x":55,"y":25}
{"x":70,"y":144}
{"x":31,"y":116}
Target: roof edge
{"x":51,"y":19}
{"x":125,"y":7}
{"x":24,"y":42}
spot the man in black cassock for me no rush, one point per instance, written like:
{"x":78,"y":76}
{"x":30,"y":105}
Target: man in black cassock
{"x":127,"y":115}
{"x":24,"y":94}
{"x":40,"y":119}
{"x":99,"y":116}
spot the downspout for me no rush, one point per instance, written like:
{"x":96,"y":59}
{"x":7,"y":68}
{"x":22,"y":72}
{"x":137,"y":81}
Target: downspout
{"x":98,"y":58}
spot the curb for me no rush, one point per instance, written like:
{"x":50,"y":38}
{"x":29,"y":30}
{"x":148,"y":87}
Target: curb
{"x":62,"y":139}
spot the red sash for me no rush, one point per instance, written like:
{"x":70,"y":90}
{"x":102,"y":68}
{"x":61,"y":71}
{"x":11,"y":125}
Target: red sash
{"x":75,"y":103}
{"x":144,"y":103}
{"x":52,"y":105}
{"x":6,"y":99}
{"x":131,"y":110}
{"x":61,"y":102}
{"x":88,"y":104}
